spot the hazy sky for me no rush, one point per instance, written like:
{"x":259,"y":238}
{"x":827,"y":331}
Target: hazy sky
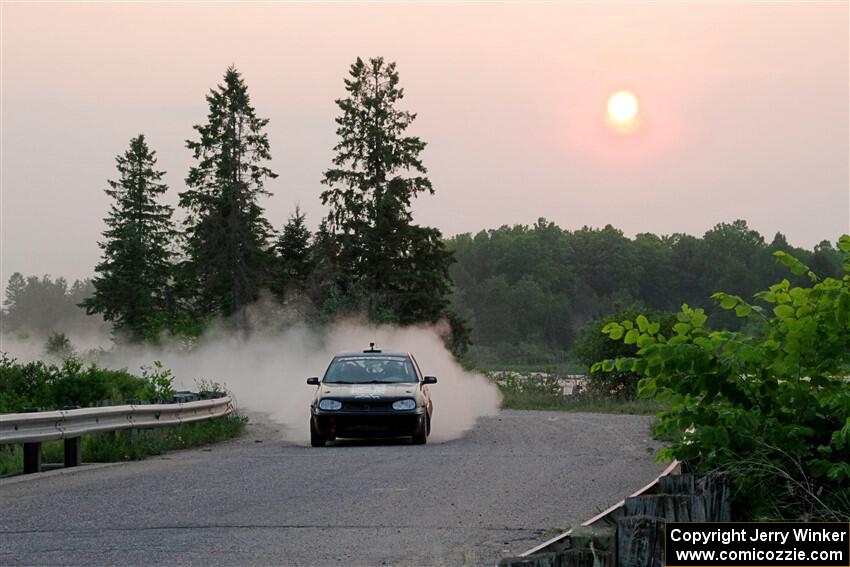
{"x":743,"y":111}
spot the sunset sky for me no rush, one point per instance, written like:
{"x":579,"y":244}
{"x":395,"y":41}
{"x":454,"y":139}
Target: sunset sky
{"x":743,"y":111}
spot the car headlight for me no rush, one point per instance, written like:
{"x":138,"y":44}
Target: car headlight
{"x":404,"y":405}
{"x":330,"y":405}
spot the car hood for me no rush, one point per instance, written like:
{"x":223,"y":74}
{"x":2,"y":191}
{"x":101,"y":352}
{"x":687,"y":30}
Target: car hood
{"x":368,"y":391}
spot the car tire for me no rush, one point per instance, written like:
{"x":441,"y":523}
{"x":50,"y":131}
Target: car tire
{"x":420,"y":434}
{"x":316,"y":437}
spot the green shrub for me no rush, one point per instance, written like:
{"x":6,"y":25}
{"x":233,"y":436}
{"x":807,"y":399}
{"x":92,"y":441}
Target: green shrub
{"x":50,"y":386}
{"x":769,"y":404}
{"x":158,"y":383}
{"x":592,"y":346}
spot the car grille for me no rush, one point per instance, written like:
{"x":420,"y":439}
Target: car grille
{"x":367,"y":406}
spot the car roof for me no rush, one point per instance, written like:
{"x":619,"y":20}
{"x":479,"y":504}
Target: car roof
{"x":375,"y":354}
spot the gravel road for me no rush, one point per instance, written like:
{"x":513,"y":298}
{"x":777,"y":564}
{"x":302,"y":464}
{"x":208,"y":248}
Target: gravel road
{"x":258,"y":500}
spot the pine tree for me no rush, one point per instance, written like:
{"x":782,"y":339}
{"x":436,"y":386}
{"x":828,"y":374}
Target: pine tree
{"x":15,"y":289}
{"x":294,"y":255}
{"x":327,"y":288}
{"x":131,"y":287}
{"x":228,"y":258}
{"x":376,"y":174}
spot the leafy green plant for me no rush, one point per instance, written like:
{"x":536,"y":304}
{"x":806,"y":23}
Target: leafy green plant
{"x":769,"y":404}
{"x":159,"y":382}
{"x":591,"y":346}
{"x":51,"y":386}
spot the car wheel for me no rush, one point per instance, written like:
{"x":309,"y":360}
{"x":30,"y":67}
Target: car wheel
{"x":420,"y":434}
{"x":316,"y":437}
{"x":429,"y":425}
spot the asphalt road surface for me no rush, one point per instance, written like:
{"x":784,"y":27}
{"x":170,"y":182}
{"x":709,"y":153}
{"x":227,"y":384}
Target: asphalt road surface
{"x":504,"y":487}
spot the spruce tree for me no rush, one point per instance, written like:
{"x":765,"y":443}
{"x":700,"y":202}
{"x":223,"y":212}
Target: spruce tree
{"x":15,"y":290}
{"x":131,"y":286}
{"x":294,"y":255}
{"x":15,"y":304}
{"x":227,"y":256}
{"x":376,"y":173}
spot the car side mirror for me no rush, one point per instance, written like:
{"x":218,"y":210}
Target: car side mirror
{"x":313,"y":381}
{"x":429,"y":380}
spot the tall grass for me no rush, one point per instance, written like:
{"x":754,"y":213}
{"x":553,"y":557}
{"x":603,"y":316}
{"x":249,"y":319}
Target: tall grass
{"x":526,"y":401}
{"x":544,"y":393}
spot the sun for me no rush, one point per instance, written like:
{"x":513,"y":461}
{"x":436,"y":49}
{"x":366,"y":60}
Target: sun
{"x":622,"y":109}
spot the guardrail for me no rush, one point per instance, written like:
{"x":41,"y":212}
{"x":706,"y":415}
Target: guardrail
{"x":606,"y":517}
{"x":632,"y":531}
{"x":31,"y":429}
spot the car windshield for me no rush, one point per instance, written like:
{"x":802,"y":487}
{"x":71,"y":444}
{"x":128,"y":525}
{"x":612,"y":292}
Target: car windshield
{"x":370,"y":370}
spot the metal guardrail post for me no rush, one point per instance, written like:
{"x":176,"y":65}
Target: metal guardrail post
{"x":32,"y":458}
{"x":32,"y":452}
{"x":73,"y":452}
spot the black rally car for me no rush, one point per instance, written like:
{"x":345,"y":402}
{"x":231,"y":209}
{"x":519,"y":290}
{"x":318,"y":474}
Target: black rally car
{"x":371,"y":394}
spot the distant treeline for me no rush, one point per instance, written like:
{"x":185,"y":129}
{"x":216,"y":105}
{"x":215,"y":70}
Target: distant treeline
{"x":527,"y":291}
{"x":42,"y":305}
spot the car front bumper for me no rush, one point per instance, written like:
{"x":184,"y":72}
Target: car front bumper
{"x":368,"y":423}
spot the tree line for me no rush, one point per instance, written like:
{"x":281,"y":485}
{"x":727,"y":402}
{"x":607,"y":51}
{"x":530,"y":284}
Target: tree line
{"x":526,"y":295}
{"x":368,"y":256}
{"x":43,"y":305}
{"x":529,"y":291}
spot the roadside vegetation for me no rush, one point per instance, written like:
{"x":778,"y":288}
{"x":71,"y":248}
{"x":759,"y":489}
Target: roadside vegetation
{"x":534,"y":395}
{"x":41,"y":386}
{"x":769,"y":404}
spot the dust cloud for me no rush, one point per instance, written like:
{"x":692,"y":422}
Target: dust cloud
{"x":267,"y":370}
